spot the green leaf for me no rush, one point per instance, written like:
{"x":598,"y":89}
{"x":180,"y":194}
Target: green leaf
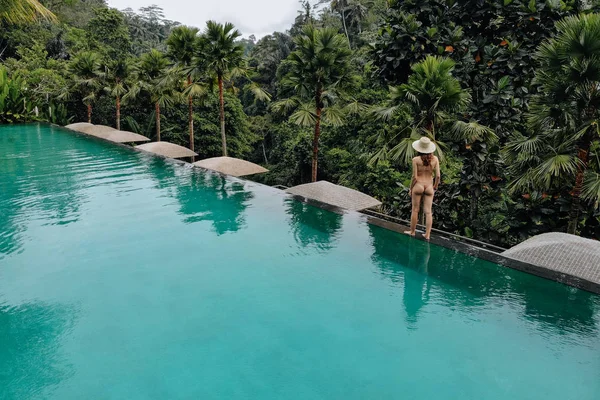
{"x":304,"y":115}
{"x":591,"y":188}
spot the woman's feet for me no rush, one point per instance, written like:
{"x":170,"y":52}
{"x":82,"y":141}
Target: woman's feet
{"x":426,"y":237}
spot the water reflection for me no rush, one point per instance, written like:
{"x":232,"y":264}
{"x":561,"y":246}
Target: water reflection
{"x":467,"y":282}
{"x":417,"y":284}
{"x":161,"y":171}
{"x":201,"y":195}
{"x":211,"y":197}
{"x":312,"y":226}
{"x":30,"y":363}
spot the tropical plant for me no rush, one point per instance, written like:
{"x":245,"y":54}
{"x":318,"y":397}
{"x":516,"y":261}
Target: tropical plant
{"x":153,"y":77}
{"x":433,"y":101}
{"x":319,"y":75}
{"x":182,"y":45}
{"x":87,"y":79}
{"x":564,"y":117}
{"x":23,"y":11}
{"x":223,"y":57}
{"x":118,"y":73}
{"x":14,"y":106}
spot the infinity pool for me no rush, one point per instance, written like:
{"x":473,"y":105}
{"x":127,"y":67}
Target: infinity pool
{"x":125,"y":276}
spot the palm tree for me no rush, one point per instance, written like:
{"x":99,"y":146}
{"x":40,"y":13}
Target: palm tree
{"x":563,"y":118}
{"x":319,"y":75}
{"x":118,"y":71}
{"x":432,"y":100}
{"x":87,"y":78}
{"x":23,"y":11}
{"x":223,"y":57}
{"x":182,"y":44}
{"x":358,"y":11}
{"x":342,"y":6}
{"x":153,"y":77}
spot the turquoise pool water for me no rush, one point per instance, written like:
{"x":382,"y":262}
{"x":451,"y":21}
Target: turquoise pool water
{"x":124,"y":276}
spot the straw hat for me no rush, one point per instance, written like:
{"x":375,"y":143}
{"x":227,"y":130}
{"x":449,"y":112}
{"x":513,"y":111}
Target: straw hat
{"x":424,"y":145}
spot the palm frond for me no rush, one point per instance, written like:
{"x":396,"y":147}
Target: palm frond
{"x":384,"y":113}
{"x":304,"y":115}
{"x":24,"y":11}
{"x":403,"y":151}
{"x":471,"y":132}
{"x":555,"y":167}
{"x":379,"y":156}
{"x":285,"y":106}
{"x":334,"y":116}
{"x":591,"y":188}
{"x":356,"y":108}
{"x":258,"y":92}
{"x":196,"y":90}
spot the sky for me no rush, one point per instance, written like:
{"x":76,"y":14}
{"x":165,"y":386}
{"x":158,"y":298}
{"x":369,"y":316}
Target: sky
{"x":258,"y":17}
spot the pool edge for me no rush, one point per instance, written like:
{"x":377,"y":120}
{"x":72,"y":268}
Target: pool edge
{"x":438,"y":238}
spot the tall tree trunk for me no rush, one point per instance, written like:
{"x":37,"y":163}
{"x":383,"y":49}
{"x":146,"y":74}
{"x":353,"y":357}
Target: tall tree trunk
{"x":191,"y":115}
{"x":346,"y":29}
{"x":157,"y":113}
{"x":583,"y":155}
{"x":89,"y":113}
{"x":315,"y":160}
{"x":222,"y":115}
{"x":118,"y":113}
{"x":265,"y":152}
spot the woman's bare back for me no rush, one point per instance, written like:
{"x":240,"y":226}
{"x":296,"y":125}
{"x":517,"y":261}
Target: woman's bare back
{"x":424,"y":173}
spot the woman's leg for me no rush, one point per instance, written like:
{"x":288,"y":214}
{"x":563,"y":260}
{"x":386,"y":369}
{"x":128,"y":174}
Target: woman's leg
{"x":427,"y":205}
{"x":417,"y":193}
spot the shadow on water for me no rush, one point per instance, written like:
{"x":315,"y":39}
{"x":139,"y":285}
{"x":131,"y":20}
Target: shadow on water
{"x":30,"y":363}
{"x":37,"y":181}
{"x":312,"y":226}
{"x":467,"y":282}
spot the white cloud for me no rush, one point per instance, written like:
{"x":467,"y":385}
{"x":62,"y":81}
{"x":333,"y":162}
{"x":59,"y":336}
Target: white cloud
{"x":258,"y":17}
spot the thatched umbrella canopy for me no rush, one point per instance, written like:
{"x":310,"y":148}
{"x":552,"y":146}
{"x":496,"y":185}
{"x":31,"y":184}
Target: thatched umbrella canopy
{"x":231,"y":166}
{"x":568,"y":254}
{"x":167,"y":149}
{"x":335,"y":195}
{"x":97,"y":130}
{"x":78,"y":126}
{"x":123,"y":137}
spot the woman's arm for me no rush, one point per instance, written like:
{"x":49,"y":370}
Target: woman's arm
{"x":414,"y":176}
{"x":438,"y":175}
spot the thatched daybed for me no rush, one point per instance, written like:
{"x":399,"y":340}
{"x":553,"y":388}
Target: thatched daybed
{"x":568,"y":254}
{"x":231,"y":166}
{"x":167,"y":149}
{"x":335,"y":195}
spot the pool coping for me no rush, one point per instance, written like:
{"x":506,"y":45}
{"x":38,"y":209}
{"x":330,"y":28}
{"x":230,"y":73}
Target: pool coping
{"x":438,"y":237}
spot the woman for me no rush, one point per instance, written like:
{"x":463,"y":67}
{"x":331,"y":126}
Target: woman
{"x":423,"y":186}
